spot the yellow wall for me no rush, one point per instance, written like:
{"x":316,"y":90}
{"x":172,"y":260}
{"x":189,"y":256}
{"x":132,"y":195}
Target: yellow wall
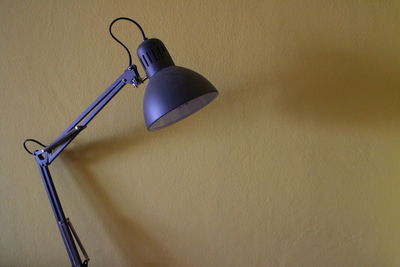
{"x":295,"y":164}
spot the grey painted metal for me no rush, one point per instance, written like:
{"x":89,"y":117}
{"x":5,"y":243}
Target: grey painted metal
{"x":46,"y":156}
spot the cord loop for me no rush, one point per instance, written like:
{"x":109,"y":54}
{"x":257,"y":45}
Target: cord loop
{"x":34,"y":141}
{"x":118,"y":41}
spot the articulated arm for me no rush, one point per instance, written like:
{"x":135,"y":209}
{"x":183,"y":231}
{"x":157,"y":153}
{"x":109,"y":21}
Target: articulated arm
{"x":49,"y":153}
{"x":45,"y":156}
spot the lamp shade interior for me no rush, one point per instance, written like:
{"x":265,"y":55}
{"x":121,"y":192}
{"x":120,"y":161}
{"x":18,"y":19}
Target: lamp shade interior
{"x":173,"y":94}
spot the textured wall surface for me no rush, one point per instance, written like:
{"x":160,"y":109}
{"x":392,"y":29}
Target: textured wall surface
{"x":295,"y":164}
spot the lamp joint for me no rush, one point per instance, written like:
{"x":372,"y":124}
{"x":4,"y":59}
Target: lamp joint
{"x":42,"y":157}
{"x":132,"y":76}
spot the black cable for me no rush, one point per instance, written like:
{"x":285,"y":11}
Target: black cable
{"x":116,"y":39}
{"x":130,"y":63}
{"x":32,"y":140}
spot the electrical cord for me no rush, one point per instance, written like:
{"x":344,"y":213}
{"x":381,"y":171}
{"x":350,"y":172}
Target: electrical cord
{"x":130,"y":63}
{"x":34,"y":141}
{"x":116,"y":39}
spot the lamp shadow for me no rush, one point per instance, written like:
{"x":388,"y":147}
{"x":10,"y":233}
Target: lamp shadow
{"x":137,"y":246}
{"x":325,"y":86}
{"x":335,"y":86}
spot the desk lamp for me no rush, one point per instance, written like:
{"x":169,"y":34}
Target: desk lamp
{"x":172,"y":94}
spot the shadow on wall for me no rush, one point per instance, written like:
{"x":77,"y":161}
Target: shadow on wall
{"x":341,"y":87}
{"x":136,"y":245}
{"x":328,"y":86}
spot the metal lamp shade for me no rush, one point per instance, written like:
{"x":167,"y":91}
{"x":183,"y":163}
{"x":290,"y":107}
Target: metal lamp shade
{"x":174,"y":93}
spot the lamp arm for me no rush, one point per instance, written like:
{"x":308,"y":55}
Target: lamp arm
{"x":45,"y":156}
{"x":130,"y":76}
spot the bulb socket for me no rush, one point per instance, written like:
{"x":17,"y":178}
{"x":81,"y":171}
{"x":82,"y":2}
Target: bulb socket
{"x":154,"y":56}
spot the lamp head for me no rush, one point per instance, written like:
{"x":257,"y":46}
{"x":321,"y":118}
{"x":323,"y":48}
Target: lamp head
{"x":173,"y":92}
